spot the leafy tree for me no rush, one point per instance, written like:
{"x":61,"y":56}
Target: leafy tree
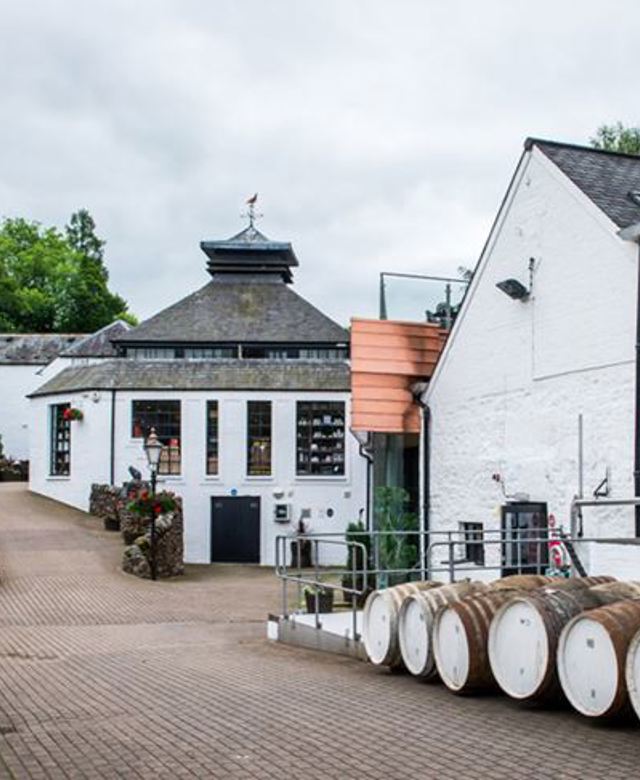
{"x":617,"y":138}
{"x":396,"y":550}
{"x":81,"y":235}
{"x":55,"y":282}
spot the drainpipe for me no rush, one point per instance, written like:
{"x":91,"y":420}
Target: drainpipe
{"x":364,"y":450}
{"x":112,"y":452}
{"x":417,"y":391}
{"x":632,"y":233}
{"x":636,"y":459}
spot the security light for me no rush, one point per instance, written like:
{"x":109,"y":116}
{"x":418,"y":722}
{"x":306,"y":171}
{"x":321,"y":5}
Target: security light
{"x":514,"y":289}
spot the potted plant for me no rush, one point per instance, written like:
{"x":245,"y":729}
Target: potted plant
{"x":355,"y":560}
{"x":72,"y":413}
{"x":301,"y":548}
{"x":398,"y":552}
{"x":324,"y":597}
{"x":144,"y":504}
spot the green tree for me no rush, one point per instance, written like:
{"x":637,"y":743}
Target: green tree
{"x":55,"y":282}
{"x":617,"y":138}
{"x":81,"y":235}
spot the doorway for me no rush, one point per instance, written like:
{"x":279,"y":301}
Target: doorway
{"x":525,"y":549}
{"x":235,"y":529}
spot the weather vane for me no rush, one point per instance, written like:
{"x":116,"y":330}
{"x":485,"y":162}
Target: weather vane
{"x":251,"y":212}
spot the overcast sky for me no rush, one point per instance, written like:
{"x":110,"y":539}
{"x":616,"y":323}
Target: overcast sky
{"x":380,"y":134}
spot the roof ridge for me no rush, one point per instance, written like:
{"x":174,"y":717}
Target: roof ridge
{"x":531,"y":141}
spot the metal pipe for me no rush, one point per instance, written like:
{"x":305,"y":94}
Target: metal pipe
{"x":580,"y":457}
{"x":153,"y":526}
{"x":636,"y":460}
{"x":112,"y":444}
{"x":383,"y":301}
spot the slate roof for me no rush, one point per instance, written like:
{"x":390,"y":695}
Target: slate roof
{"x":35,"y":349}
{"x":124,"y":374}
{"x":98,"y":344}
{"x":250,"y":251}
{"x":604,"y":177}
{"x":258,"y":310}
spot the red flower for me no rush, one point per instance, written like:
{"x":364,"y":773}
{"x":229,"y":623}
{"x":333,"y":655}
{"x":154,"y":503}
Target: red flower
{"x":145,"y":494}
{"x":157,"y":509}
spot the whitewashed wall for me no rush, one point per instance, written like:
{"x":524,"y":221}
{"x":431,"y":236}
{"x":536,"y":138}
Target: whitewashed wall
{"x":16,"y":381}
{"x":90,"y":462}
{"x":515,"y":376}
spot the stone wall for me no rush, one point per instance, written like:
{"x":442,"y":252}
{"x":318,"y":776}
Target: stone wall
{"x":169,"y":548}
{"x":110,"y":503}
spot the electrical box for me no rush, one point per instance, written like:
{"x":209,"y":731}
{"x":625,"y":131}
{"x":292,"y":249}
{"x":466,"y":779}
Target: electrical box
{"x":282,"y":513}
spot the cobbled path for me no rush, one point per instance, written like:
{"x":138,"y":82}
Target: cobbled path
{"x":104,"y":676}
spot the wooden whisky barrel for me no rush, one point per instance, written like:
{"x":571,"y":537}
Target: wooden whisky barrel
{"x":460,"y":634}
{"x":632,"y":672}
{"x":611,"y":592}
{"x":415,"y":623}
{"x":522,"y":582}
{"x":523,"y":639}
{"x":592,"y":653}
{"x":380,"y":621}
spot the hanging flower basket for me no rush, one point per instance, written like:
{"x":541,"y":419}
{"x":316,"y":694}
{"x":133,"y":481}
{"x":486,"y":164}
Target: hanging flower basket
{"x":160,"y":504}
{"x":72,"y":414}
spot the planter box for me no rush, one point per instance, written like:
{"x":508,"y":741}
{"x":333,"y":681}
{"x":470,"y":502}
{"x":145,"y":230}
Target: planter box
{"x":325,"y":601}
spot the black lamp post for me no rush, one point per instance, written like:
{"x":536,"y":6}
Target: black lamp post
{"x":153,"y":449}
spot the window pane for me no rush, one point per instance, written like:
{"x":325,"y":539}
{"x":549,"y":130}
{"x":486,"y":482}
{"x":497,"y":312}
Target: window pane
{"x":320,"y":438}
{"x":258,"y":438}
{"x":164,"y":416}
{"x":212,"y":437}
{"x":60,"y":459}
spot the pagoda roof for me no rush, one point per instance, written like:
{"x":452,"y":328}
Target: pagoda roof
{"x":250,"y":251}
{"x":230,"y":309}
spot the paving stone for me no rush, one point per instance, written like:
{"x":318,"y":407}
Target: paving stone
{"x":107,"y":676}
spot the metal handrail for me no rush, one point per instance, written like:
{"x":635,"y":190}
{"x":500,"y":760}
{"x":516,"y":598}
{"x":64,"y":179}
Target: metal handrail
{"x":448,"y":540}
{"x":285,"y":576}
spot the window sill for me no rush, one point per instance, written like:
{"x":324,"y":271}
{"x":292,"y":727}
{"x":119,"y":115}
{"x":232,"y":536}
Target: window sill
{"x":58,"y":477}
{"x":249,"y":478}
{"x":339,"y":479}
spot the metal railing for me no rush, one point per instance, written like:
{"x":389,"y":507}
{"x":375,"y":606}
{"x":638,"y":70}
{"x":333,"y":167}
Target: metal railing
{"x":302,"y":578}
{"x":519,"y":551}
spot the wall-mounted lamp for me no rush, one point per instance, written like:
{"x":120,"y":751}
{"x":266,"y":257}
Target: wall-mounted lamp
{"x":515,"y":289}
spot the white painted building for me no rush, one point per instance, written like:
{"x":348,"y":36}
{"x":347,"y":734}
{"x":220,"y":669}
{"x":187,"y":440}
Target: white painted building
{"x":247,"y":386}
{"x":515,"y":374}
{"x":26,"y":360}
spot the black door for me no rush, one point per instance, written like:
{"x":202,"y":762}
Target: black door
{"x":524,"y":538}
{"x":235,"y":529}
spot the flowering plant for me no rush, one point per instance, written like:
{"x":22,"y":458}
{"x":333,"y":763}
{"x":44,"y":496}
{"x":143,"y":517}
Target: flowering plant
{"x":71,"y":413}
{"x":144,"y":503}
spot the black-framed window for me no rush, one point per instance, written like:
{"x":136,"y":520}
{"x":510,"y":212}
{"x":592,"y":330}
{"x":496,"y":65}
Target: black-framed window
{"x":259,"y":438}
{"x":472,"y":536}
{"x":164,"y":416}
{"x":320,"y":438}
{"x":60,"y":432}
{"x":212,"y":437}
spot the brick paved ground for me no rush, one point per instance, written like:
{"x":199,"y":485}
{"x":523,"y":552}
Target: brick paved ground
{"x":102,"y":675}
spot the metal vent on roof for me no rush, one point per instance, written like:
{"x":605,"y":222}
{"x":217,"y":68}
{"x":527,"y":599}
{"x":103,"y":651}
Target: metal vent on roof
{"x":634,"y":196}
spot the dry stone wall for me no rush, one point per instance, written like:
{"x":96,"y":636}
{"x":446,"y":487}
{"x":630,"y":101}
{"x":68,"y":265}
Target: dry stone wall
{"x":110,"y":503}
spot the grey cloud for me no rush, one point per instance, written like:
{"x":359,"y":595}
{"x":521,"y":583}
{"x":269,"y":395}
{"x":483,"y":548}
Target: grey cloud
{"x":380,"y":135}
